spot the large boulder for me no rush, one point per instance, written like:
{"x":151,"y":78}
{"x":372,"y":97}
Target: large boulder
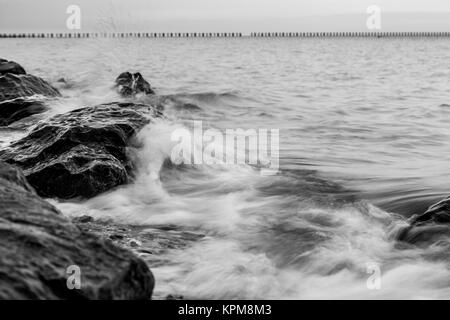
{"x":129,"y":84}
{"x":41,"y":249}
{"x":10,"y":67}
{"x":430,"y":226}
{"x":21,"y":95}
{"x":16,"y":109}
{"x":80,"y":153}
{"x":18,"y":86}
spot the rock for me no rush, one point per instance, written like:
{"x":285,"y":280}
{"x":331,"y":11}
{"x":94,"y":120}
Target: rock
{"x":437,"y":213}
{"x":12,"y":177}
{"x":10,"y":67}
{"x":188,"y":106}
{"x":39,"y":247}
{"x":178,"y":104}
{"x":16,"y":109}
{"x":80,"y":153}
{"x":429,"y":226}
{"x":116,"y":236}
{"x":83,"y":219}
{"x":131,"y":84}
{"x":63,"y":83}
{"x":22,"y":95}
{"x":19,"y":86}
{"x":174,"y":297}
{"x":134,"y":243}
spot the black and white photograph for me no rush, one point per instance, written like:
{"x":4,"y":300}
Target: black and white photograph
{"x":252,"y":151}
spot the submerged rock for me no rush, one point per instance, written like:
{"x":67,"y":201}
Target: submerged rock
{"x":80,"y":153}
{"x":10,"y":67}
{"x":134,"y":243}
{"x":41,"y":249}
{"x":429,"y":226}
{"x":149,"y":243}
{"x":178,"y":104}
{"x":83,"y":219}
{"x":129,"y":84}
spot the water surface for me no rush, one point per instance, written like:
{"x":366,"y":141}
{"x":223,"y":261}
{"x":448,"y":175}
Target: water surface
{"x":364,"y":140}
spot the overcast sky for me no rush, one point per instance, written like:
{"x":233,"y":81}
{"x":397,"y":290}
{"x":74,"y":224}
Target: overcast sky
{"x":223,"y":15}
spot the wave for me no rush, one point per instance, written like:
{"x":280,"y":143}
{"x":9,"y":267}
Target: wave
{"x":210,"y":97}
{"x":293,"y":235}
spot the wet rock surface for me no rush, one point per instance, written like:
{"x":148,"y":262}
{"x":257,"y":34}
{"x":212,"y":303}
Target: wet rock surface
{"x":80,"y":153}
{"x":19,"y":86}
{"x":40,"y":245}
{"x":150,"y":243}
{"x":129,"y":84}
{"x":21,"y":94}
{"x":16,"y":109}
{"x":10,"y":67}
{"x":430,"y":226}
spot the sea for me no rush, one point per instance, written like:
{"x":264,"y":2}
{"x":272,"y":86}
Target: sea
{"x":364,"y":144}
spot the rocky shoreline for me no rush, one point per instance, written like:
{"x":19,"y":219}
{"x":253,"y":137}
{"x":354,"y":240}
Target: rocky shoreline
{"x":40,"y":245}
{"x":80,"y":154}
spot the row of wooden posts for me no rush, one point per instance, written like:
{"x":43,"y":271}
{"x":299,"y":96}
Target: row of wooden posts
{"x":223,"y":34}
{"x":123,"y":35}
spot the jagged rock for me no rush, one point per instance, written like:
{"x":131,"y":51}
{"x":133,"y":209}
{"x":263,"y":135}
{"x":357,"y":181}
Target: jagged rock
{"x":10,"y":67}
{"x":16,"y":109}
{"x":40,"y":245}
{"x":129,"y":84}
{"x":19,"y":86}
{"x":22,"y":95}
{"x":429,"y":226}
{"x":437,"y":213}
{"x":80,"y":153}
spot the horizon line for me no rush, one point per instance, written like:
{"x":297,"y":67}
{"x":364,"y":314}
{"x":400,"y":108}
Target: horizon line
{"x":76,"y":35}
